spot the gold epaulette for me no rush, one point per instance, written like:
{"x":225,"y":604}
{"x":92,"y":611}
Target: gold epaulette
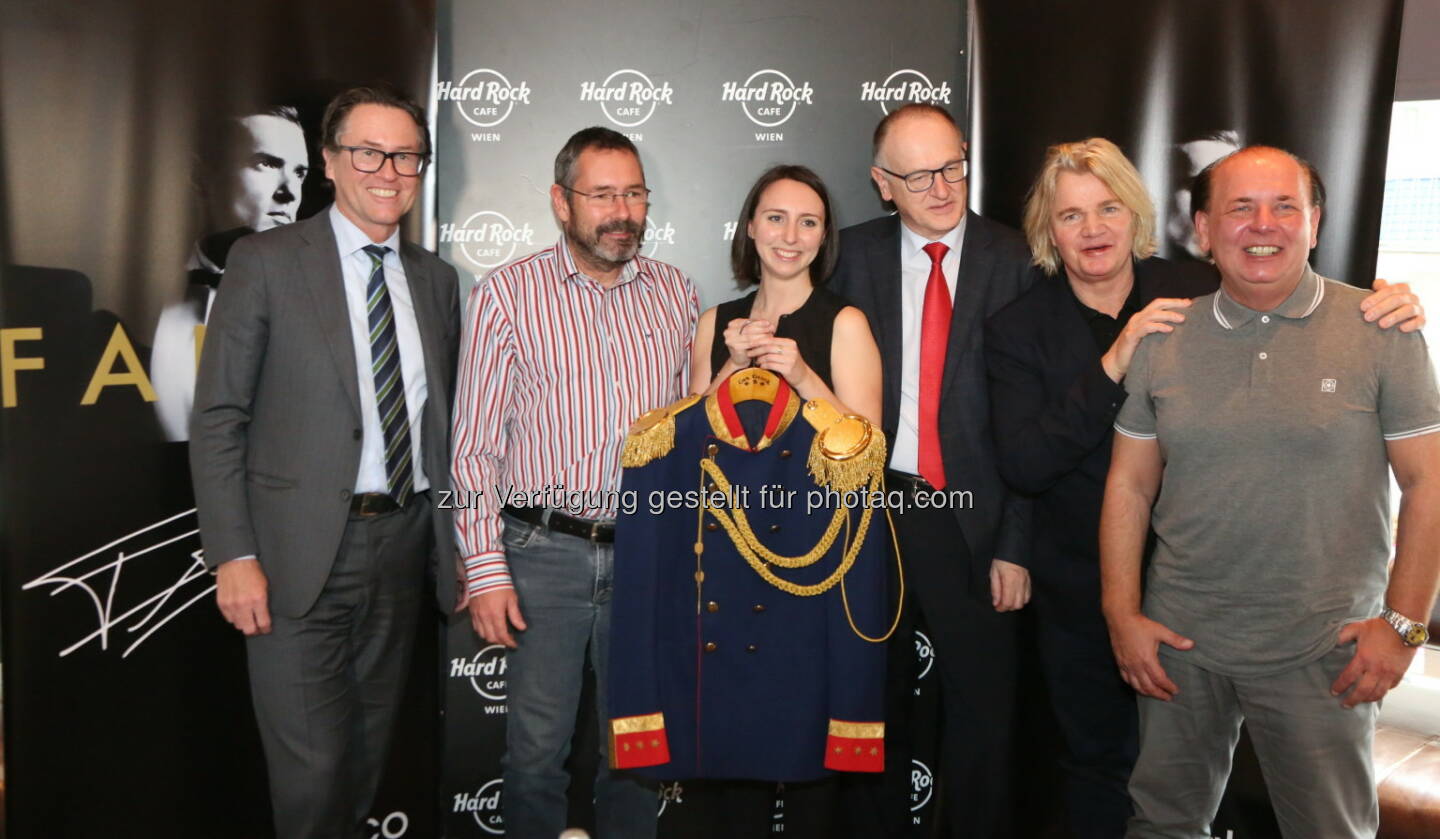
{"x":848,"y":451}
{"x":652,"y":436}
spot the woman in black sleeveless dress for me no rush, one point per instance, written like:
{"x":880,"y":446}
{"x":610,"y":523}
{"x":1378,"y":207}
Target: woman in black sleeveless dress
{"x":785,"y":243}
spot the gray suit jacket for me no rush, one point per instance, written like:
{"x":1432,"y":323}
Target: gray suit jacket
{"x":275,"y":434}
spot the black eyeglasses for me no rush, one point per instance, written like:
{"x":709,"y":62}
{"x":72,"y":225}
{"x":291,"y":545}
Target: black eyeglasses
{"x":921,"y":180}
{"x":368,"y":160}
{"x":633,"y":197}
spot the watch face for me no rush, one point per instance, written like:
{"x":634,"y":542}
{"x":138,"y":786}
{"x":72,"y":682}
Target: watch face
{"x":1417,"y":634}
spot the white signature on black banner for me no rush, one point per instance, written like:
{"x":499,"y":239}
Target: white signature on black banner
{"x":97,"y":576}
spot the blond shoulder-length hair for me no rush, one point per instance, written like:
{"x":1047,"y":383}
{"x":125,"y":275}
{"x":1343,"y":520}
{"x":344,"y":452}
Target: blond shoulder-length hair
{"x":1099,"y":157}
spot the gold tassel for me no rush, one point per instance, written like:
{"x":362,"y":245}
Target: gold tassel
{"x":847,"y":455}
{"x":652,"y":436}
{"x":653,"y":443}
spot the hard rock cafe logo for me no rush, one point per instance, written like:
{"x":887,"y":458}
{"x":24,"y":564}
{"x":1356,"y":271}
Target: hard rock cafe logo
{"x":903,"y":86}
{"x":484,"y":97}
{"x":484,"y":806}
{"x":485,"y":670}
{"x":924,"y":654}
{"x":654,"y":235}
{"x":768,"y":97}
{"x":487,"y":238}
{"x":628,"y":97}
{"x":922,"y":786}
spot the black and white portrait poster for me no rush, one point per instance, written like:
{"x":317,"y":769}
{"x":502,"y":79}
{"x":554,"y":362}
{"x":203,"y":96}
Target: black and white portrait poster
{"x":140,"y":141}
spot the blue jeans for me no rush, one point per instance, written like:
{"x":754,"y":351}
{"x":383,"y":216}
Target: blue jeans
{"x":564,"y":585}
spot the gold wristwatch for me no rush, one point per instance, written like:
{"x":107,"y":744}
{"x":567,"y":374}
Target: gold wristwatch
{"x":1412,"y":633}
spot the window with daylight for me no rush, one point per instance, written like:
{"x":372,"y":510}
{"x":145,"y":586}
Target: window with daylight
{"x":1410,"y":252}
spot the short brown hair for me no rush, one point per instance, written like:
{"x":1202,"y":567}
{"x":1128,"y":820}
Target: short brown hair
{"x":1204,"y":179}
{"x":595,"y":137}
{"x":341,"y":106}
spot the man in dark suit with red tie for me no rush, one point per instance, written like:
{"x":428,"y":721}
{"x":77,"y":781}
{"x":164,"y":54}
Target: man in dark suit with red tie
{"x":927,"y":278}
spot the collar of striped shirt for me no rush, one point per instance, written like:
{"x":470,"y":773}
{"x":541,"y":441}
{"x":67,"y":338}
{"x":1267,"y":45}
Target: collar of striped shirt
{"x":633,"y":270}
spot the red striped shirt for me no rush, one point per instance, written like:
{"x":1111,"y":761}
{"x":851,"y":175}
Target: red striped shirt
{"x":553,"y":369}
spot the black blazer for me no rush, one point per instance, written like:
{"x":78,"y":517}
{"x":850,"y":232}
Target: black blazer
{"x":1053,"y":407}
{"x":994,"y":269}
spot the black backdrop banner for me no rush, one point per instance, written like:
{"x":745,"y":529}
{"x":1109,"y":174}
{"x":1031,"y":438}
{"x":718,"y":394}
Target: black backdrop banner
{"x":140,"y":139}
{"x":1176,"y":84}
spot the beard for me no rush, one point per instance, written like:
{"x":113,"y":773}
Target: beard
{"x":606,"y":255}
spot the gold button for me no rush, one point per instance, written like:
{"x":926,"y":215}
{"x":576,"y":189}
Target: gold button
{"x":750,"y":648}
{"x":774,"y":528}
{"x":758,"y":608}
{"x":784,"y":452}
{"x":710,"y":647}
{"x":712,"y":606}
{"x":711,"y":526}
{"x":712,"y":449}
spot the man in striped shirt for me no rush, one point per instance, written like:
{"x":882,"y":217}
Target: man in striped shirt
{"x":561,"y":350}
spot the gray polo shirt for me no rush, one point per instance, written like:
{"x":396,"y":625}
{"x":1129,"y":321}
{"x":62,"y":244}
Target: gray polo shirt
{"x":1273,"y":514}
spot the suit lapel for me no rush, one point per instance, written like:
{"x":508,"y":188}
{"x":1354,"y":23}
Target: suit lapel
{"x":967,"y":310}
{"x":320,"y":273}
{"x":429,"y":322}
{"x":884,"y":267}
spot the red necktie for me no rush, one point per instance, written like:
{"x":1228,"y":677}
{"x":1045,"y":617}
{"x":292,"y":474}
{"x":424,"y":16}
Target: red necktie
{"x":934,"y":336}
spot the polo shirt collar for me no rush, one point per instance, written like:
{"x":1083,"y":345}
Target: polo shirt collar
{"x":632,"y":270}
{"x":1304,"y":300}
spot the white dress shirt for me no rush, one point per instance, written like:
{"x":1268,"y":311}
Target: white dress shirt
{"x":914,"y":276}
{"x":355,"y":269}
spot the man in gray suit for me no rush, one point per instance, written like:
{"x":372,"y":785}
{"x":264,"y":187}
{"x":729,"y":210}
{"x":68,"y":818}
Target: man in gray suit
{"x":319,"y":434}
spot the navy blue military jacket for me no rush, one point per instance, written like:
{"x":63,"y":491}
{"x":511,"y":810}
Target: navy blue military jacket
{"x":715,"y":671}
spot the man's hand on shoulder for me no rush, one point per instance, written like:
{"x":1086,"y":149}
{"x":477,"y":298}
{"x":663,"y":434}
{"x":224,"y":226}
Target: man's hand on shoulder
{"x":493,"y":613}
{"x":1379,"y":664}
{"x":242,"y":593}
{"x":1392,"y":304}
{"x":1136,"y":641}
{"x":1009,"y":585}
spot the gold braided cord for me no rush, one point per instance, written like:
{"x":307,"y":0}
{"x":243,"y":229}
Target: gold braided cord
{"x":852,"y":550}
{"x":810,"y":557}
{"x":770,"y":577}
{"x":899,"y":599}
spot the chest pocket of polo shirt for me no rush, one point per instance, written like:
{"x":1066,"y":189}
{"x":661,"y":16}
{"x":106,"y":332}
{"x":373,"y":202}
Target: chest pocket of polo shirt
{"x":1331,"y":412}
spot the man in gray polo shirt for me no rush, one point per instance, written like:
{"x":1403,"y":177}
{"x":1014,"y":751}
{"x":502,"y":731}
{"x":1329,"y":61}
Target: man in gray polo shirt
{"x":1271,"y":417}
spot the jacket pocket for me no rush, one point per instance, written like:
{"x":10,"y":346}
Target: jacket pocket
{"x":271,"y":481}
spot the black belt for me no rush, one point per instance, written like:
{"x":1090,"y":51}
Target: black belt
{"x":906,"y":482}
{"x":366,"y":504}
{"x":588,"y":529}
